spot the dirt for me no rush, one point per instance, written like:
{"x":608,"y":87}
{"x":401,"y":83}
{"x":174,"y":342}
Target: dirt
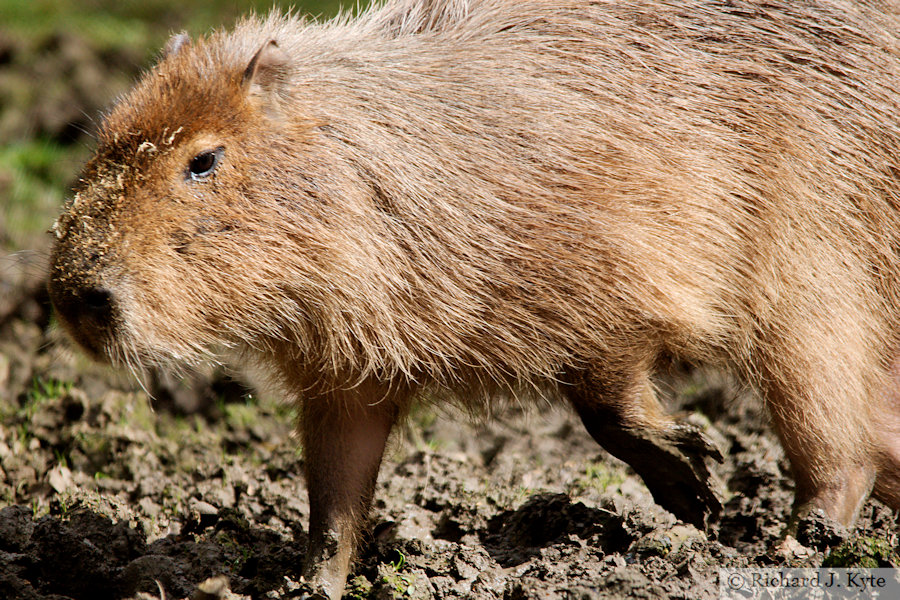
{"x":190,"y":487}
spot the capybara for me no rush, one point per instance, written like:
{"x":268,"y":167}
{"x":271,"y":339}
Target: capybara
{"x":479,"y":198}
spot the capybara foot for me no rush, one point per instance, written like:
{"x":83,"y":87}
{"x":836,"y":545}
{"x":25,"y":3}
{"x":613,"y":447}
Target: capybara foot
{"x":672,"y":465}
{"x":308,"y":592}
{"x":815,"y":529}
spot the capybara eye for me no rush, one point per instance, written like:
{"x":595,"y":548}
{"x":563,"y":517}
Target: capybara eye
{"x":202,"y":165}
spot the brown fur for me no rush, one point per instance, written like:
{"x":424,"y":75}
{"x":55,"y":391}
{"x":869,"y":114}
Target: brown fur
{"x":485,"y":196}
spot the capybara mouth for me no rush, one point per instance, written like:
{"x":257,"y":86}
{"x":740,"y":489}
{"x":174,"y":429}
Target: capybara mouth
{"x":88,"y":313}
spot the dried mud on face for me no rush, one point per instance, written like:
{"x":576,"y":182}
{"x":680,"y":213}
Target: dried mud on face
{"x":109,"y":495}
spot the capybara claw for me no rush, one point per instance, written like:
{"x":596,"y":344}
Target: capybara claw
{"x":680,"y":483}
{"x":308,"y":591}
{"x":693,"y":441}
{"x":671,"y":463}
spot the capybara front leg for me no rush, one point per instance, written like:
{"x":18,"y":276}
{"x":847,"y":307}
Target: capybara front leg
{"x":625,"y":417}
{"x":344,"y":436}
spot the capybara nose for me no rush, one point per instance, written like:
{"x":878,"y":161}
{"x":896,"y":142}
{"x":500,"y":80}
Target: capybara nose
{"x":88,"y":312}
{"x":97,"y":304}
{"x":88,"y":308}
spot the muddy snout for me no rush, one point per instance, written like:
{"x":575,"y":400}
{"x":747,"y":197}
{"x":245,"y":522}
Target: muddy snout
{"x":87,"y":308}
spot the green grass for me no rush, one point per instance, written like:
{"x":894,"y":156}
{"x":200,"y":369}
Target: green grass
{"x":43,"y":390}
{"x":137,"y":22}
{"x":107,"y":26}
{"x":394,"y":580}
{"x":864,"y":553}
{"x":34,"y":179}
{"x":600,"y":477}
{"x":19,"y":417}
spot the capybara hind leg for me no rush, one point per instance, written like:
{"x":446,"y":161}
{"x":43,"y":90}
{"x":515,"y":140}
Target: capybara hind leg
{"x":344,"y":436}
{"x":829,"y":448}
{"x":887,"y":429}
{"x":887,"y":481}
{"x":626,"y":418}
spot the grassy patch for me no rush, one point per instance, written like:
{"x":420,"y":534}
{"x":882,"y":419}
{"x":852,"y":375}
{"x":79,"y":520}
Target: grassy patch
{"x":600,"y":477}
{"x":41,"y":391}
{"x":393,"y":579}
{"x":34,"y":178}
{"x":863,"y":552}
{"x":139,"y":22}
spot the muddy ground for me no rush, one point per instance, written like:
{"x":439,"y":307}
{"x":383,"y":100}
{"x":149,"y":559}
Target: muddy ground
{"x":106,"y":493}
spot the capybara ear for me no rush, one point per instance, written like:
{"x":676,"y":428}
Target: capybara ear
{"x":176,"y":43}
{"x":265,"y":68}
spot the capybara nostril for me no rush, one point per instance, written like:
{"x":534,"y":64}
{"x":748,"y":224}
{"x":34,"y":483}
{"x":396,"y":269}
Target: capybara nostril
{"x":87,"y":311}
{"x":97,"y":304}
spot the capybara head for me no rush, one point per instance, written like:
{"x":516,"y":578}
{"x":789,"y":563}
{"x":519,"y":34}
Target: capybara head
{"x":175,"y":242}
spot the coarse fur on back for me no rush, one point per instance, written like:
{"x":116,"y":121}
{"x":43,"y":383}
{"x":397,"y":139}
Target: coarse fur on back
{"x":482,"y":195}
